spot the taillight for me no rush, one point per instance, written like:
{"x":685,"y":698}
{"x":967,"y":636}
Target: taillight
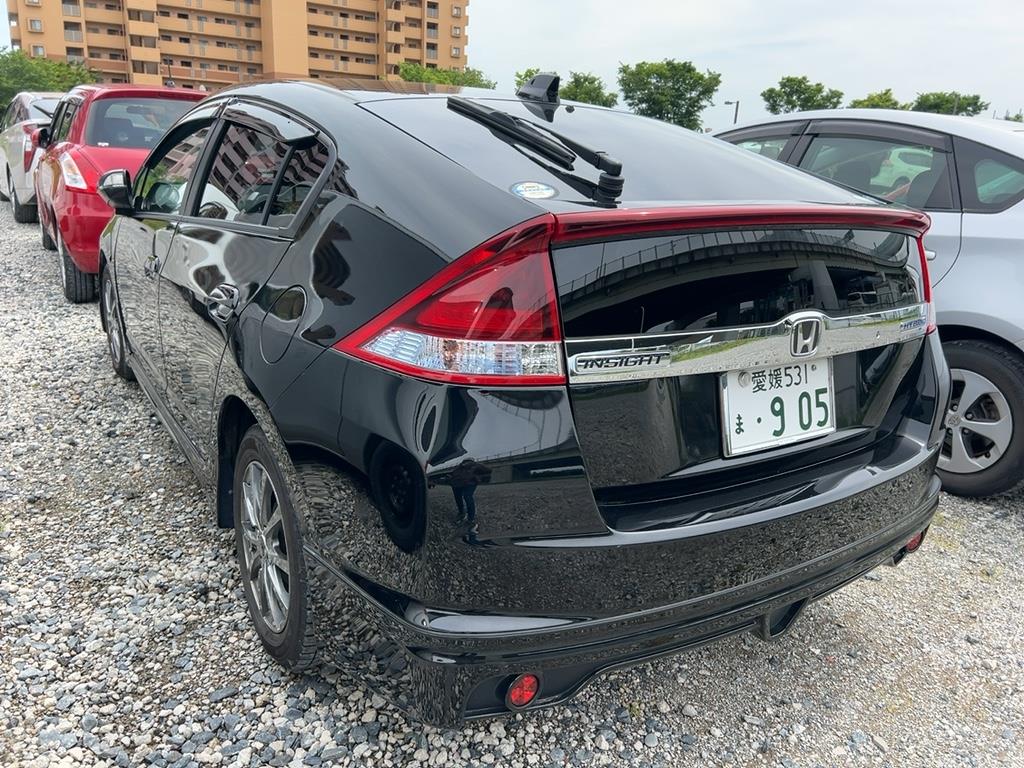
{"x":28,"y":149}
{"x":926,"y":287}
{"x":71,"y":173}
{"x":488,"y":318}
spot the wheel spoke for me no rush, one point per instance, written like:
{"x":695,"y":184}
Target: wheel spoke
{"x":975,"y":387}
{"x":999,"y":431}
{"x":961,"y":460}
{"x":277,"y":558}
{"x":277,"y":597}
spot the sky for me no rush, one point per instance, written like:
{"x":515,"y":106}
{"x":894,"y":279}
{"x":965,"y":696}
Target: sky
{"x":857,"y":46}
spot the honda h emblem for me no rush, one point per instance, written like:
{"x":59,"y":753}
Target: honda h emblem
{"x":805,"y":337}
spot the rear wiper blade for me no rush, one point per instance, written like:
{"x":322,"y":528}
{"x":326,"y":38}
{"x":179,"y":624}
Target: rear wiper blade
{"x":554,"y":146}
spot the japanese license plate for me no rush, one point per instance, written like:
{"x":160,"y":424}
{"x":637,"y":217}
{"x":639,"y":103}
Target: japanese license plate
{"x":768,"y":407}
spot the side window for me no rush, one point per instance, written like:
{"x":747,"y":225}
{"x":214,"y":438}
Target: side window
{"x":912,"y":174}
{"x":990,"y":180}
{"x":768,"y":147}
{"x":164,"y":183}
{"x":8,"y":119}
{"x":305,"y":166}
{"x":63,"y":127}
{"x":241,"y":177}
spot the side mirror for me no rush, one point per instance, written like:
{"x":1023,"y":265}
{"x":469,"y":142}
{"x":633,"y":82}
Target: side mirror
{"x":41,"y":138}
{"x":115,"y":187}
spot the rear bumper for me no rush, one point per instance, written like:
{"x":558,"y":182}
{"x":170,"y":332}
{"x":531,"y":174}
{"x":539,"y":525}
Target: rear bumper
{"x":443,"y":667}
{"x":81,"y":221}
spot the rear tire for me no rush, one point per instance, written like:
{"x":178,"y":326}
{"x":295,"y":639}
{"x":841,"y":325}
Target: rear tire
{"x":111,"y":309}
{"x":44,"y":236}
{"x":23,"y":214}
{"x":988,"y":390}
{"x":79,"y":287}
{"x":267,"y":532}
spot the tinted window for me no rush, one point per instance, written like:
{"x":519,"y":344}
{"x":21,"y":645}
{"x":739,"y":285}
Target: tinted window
{"x":42,"y":109}
{"x":164,"y":184}
{"x":304,"y":167}
{"x":915,"y":175}
{"x":990,"y":180}
{"x":132,"y":123}
{"x":8,"y":119}
{"x":660,"y":162}
{"x":241,"y":177}
{"x":768,"y":147}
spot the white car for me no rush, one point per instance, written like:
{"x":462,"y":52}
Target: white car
{"x":26,"y":112}
{"x":968,"y":174}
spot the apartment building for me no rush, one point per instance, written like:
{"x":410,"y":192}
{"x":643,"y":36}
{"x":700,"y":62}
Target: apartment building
{"x":215,"y":43}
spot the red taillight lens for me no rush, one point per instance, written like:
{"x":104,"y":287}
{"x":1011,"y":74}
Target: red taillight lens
{"x":28,"y":149}
{"x":488,"y":318}
{"x":926,"y":286}
{"x":915,"y":542}
{"x":523,"y":690}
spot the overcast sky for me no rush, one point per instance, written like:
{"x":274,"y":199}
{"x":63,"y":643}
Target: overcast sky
{"x":856,"y":46}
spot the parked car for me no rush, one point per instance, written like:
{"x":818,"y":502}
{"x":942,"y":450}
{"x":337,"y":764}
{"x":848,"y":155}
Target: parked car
{"x":95,"y":128}
{"x":496,"y":399}
{"x":26,"y":112}
{"x":968,"y":174}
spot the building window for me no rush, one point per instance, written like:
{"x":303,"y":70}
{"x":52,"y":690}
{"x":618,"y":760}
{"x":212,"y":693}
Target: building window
{"x":457,"y":11}
{"x":38,"y":51}
{"x":456,"y":31}
{"x":134,"y":15}
{"x":35,"y":25}
{"x":456,"y":51}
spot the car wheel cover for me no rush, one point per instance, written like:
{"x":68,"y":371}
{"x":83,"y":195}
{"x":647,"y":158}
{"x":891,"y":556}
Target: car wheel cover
{"x":979,"y":424}
{"x":113,"y":321}
{"x":264,"y":551}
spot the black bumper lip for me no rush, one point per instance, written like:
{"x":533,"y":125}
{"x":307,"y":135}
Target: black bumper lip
{"x":447,"y":677}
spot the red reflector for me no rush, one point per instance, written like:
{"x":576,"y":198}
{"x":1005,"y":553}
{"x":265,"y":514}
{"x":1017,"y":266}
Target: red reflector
{"x":915,"y":542}
{"x":522,"y":691}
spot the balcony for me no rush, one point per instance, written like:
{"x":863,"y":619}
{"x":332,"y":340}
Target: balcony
{"x":71,"y":9}
{"x":103,"y":16}
{"x":108,"y":65}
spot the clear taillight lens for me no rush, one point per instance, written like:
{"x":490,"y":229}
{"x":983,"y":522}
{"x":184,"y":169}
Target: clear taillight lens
{"x":73,"y":178}
{"x":488,"y":318}
{"x":926,"y":287}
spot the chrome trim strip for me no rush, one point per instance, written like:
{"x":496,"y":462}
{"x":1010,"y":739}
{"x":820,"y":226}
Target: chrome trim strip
{"x":637,"y":358}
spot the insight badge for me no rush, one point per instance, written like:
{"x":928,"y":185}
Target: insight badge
{"x":602,"y":361}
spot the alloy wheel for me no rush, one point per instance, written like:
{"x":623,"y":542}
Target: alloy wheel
{"x":264,"y":548}
{"x":979,"y":424}
{"x":113,"y":321}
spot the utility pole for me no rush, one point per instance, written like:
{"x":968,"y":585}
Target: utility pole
{"x":736,"y":112}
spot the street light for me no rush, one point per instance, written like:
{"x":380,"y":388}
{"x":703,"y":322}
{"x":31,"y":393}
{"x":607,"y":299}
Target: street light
{"x":736,"y":113}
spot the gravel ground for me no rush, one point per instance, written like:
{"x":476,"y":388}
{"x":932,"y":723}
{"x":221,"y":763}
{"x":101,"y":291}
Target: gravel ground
{"x":124,"y":638}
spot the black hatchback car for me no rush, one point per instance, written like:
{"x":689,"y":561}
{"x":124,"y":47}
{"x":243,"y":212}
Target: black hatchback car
{"x":499,"y":393}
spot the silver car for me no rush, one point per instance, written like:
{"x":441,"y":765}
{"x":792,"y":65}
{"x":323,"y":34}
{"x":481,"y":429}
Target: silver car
{"x":968,"y":174}
{"x":26,"y":112}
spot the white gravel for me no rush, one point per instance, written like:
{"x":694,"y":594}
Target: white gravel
{"x":124,"y":638}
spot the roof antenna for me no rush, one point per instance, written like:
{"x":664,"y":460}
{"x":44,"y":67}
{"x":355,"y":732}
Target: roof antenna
{"x":542,"y":87}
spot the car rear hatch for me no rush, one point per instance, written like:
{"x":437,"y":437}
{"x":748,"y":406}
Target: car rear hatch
{"x":719,"y":356}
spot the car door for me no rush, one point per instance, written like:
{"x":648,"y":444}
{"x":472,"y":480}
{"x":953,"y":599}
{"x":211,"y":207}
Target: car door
{"x":6,"y":142}
{"x":898,"y":163}
{"x":222,"y":255}
{"x":48,"y":169}
{"x":144,"y":238}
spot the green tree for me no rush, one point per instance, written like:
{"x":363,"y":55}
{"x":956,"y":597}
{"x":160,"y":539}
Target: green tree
{"x":1018,"y":118}
{"x":949,"y":103}
{"x":525,"y":76}
{"x":588,"y":88}
{"x":469,"y":77}
{"x":675,"y":91}
{"x":21,"y":72}
{"x":796,"y":94}
{"x":878,"y":100}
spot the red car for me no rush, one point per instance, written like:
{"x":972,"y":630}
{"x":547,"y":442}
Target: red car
{"x":95,"y":128}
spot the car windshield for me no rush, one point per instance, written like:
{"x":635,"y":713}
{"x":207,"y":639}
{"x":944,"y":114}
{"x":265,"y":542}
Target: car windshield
{"x":42,"y":109}
{"x":132,"y":122}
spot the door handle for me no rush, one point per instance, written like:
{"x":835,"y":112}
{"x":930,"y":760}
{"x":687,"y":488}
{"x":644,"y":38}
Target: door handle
{"x":223,"y":301}
{"x":930,"y":255}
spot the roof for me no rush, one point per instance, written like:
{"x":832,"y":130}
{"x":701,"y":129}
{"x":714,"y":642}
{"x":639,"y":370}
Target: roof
{"x":1000,"y":134}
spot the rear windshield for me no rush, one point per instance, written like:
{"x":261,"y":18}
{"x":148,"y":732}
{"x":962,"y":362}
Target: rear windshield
{"x":661,"y":162}
{"x":133,"y":123}
{"x":704,"y":280}
{"x":42,"y":109}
